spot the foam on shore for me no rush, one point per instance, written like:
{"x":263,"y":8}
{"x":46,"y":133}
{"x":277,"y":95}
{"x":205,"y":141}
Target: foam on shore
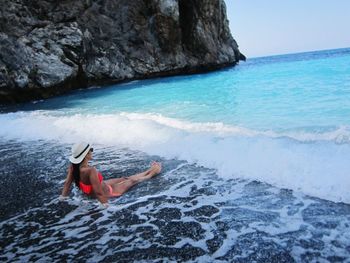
{"x":313,"y":163}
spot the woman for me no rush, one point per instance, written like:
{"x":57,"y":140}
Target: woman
{"x":91,"y":182}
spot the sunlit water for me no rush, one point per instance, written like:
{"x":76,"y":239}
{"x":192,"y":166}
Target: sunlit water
{"x":255,"y":167}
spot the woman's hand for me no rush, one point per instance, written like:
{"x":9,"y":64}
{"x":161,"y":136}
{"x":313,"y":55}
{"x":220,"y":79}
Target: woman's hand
{"x":103,"y":205}
{"x":68,"y":182}
{"x":62,"y":198}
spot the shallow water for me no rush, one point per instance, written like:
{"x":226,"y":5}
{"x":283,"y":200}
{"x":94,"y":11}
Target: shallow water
{"x":188,"y":213}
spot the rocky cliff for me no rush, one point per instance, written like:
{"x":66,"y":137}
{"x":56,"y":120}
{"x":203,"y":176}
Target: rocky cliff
{"x":48,"y":47}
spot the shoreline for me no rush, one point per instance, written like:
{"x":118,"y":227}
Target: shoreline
{"x":17,"y":97}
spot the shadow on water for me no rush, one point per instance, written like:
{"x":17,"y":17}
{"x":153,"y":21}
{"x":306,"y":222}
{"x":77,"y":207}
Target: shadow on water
{"x":76,"y":98}
{"x":71,"y":99}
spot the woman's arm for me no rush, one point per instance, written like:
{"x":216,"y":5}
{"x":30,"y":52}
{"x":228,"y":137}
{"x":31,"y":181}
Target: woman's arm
{"x":68,"y":182}
{"x":97,"y":186}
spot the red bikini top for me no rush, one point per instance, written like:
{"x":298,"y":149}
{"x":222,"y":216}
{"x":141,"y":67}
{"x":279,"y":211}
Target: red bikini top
{"x":87,"y":188}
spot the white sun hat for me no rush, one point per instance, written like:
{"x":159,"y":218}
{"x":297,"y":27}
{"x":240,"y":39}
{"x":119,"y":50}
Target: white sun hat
{"x":79,"y":151}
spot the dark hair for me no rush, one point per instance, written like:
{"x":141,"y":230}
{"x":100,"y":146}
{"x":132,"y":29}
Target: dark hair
{"x":76,"y":173}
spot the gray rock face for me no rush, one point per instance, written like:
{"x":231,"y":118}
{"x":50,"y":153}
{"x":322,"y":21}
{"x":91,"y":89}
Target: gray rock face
{"x":48,"y":47}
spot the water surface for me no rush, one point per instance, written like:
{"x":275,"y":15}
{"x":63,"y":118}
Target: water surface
{"x":255,"y":167}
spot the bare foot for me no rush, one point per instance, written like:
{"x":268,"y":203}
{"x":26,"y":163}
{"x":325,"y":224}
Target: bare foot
{"x":156,"y":167}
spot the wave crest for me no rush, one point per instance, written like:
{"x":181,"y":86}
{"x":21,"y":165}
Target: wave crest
{"x":314,"y":163}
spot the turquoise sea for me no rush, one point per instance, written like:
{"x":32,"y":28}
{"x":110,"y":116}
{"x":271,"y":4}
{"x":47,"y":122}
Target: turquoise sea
{"x":261,"y":148}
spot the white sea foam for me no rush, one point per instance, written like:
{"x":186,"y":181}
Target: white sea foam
{"x":313,"y":163}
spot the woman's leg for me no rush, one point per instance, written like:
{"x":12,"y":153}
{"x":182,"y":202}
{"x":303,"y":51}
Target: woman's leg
{"x":115,"y":180}
{"x":155,"y":169}
{"x":121,"y":186}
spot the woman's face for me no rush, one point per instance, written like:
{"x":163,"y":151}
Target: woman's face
{"x":89,"y":155}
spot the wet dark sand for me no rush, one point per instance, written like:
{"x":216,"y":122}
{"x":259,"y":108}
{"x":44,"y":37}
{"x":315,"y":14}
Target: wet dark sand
{"x":185,"y":214}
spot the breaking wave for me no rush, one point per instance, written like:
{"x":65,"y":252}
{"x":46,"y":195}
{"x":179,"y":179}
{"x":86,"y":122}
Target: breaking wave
{"x":315,"y":163}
